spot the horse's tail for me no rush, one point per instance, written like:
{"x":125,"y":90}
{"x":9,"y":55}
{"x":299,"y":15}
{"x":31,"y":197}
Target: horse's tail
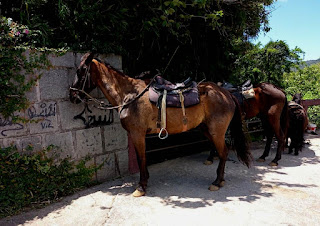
{"x":239,"y":138}
{"x":284,"y":121}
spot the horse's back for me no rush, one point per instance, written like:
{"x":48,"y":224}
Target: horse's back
{"x":212,"y":93}
{"x":217,"y":102}
{"x":271,"y":90}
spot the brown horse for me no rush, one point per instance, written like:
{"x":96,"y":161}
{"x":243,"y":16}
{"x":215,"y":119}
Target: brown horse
{"x":217,"y":109}
{"x":270,"y":105}
{"x":298,"y":122}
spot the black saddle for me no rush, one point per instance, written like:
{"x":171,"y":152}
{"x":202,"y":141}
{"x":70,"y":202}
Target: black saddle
{"x":243,"y":87}
{"x":188,"y":88}
{"x":161,"y":84}
{"x":238,"y":91}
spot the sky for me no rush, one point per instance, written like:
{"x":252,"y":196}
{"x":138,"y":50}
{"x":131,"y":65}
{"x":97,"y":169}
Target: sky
{"x":297,"y":22}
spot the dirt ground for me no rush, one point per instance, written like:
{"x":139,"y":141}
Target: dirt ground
{"x":178,"y":195}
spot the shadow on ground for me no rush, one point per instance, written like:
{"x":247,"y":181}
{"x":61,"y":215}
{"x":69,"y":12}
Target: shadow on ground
{"x":184,"y":182}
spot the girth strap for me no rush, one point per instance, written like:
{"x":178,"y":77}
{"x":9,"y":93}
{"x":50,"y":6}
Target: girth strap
{"x":163,"y":123}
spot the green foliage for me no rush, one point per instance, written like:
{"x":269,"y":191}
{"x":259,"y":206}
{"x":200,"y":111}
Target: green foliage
{"x":36,"y":180}
{"x":146,"y":33}
{"x":20,"y":65}
{"x":266,"y":64}
{"x":307,"y":82}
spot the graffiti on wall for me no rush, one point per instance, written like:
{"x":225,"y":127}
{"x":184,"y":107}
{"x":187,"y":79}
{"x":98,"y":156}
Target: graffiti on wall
{"x":43,"y":113}
{"x":90,"y":119}
{"x":7,"y":125}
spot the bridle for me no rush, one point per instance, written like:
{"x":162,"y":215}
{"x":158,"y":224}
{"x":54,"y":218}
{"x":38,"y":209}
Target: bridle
{"x":101,"y":104}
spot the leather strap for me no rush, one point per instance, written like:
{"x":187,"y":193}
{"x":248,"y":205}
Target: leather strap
{"x":184,"y":120}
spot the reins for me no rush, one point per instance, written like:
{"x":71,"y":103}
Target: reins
{"x":101,"y":104}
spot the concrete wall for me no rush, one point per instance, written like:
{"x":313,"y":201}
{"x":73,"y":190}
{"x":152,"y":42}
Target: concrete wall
{"x":75,"y":129}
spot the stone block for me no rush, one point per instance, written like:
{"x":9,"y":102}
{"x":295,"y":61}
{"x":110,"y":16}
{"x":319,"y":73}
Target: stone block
{"x":23,"y":142}
{"x":8,"y":128}
{"x":116,"y":117}
{"x":63,"y":143}
{"x":54,"y":84}
{"x":122,"y":160}
{"x":45,"y":116}
{"x":81,"y":116}
{"x":115,"y":137}
{"x":89,"y":142}
{"x":114,"y":60}
{"x":67,"y":112}
{"x":34,"y":141}
{"x":67,"y":60}
{"x":78,"y":58}
{"x":33,"y":94}
{"x":108,"y":170}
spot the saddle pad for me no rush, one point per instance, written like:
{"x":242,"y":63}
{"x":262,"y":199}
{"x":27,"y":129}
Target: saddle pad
{"x":191,"y":96}
{"x":248,"y":93}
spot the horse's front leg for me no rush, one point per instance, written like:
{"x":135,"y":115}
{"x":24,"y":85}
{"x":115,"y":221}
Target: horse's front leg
{"x":139,"y":143}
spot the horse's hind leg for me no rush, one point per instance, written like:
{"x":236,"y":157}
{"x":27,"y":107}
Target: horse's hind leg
{"x":213,"y":155}
{"x":269,"y":135}
{"x":275,"y":121}
{"x":222,"y":149}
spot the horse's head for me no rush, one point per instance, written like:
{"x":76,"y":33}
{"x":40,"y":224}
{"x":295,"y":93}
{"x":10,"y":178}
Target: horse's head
{"x":297,"y":98}
{"x":82,"y":81}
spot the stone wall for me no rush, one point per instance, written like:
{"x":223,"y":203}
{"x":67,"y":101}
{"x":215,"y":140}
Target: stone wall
{"x":77,"y":130}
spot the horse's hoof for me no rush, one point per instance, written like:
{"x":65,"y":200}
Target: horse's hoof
{"x":214,"y":187}
{"x":216,"y":158}
{"x":208,"y":162}
{"x":261,"y":160}
{"x":222,"y":183}
{"x":138,"y":193}
{"x":273,"y":164}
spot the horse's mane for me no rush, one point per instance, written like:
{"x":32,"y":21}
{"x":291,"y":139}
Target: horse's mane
{"x":109,"y":66}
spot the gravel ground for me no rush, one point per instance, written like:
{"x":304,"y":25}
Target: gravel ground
{"x":178,"y":195}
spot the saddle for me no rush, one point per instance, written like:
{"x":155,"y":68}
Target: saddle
{"x":296,"y":111}
{"x":164,"y":94}
{"x":244,"y":91}
{"x":188,"y":89}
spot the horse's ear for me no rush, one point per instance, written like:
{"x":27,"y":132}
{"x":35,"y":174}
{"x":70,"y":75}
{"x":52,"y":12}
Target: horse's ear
{"x":89,"y":59}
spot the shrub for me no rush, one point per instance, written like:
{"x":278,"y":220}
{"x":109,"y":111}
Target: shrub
{"x":36,"y":179}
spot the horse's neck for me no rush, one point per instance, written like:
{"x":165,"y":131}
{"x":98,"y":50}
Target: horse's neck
{"x":113,"y":85}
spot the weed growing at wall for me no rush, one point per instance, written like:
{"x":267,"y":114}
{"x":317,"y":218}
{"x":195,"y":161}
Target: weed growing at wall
{"x":36,"y":180}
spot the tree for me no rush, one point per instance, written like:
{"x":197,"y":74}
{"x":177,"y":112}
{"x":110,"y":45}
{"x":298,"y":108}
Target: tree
{"x":148,"y":33}
{"x":268,"y":63}
{"x":307,"y":82}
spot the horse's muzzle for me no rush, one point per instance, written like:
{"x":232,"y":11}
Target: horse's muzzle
{"x":74,"y":97}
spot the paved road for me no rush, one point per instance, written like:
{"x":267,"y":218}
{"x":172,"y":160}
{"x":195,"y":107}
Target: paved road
{"x":178,"y":195}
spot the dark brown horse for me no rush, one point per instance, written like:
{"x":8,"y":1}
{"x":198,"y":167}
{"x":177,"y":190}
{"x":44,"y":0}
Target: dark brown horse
{"x":270,"y":105}
{"x":298,"y":122}
{"x":217,"y":109}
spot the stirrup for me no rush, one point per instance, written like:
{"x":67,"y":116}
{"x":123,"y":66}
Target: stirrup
{"x":160,"y":133}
